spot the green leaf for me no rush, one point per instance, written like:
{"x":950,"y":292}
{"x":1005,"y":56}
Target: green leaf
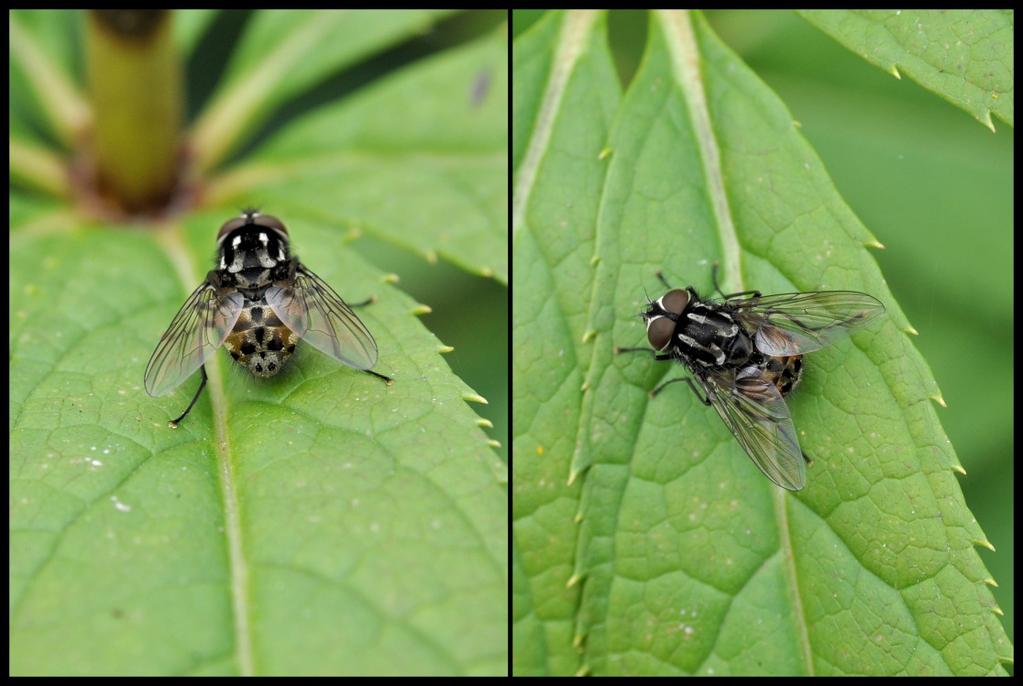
{"x":689,"y":561}
{"x":285,"y":52}
{"x":965,"y":56}
{"x":565,"y":95}
{"x":419,"y":160}
{"x":44,"y":90}
{"x":274,"y":532}
{"x":318,"y":522}
{"x":189,"y":27}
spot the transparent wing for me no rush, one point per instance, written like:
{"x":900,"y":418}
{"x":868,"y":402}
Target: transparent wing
{"x":754,"y":411}
{"x":197,"y":330}
{"x":320,"y":317}
{"x":797,"y":323}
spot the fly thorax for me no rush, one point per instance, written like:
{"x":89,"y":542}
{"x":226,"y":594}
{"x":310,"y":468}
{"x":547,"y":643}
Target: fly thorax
{"x":251,"y":253}
{"x":708,"y":335}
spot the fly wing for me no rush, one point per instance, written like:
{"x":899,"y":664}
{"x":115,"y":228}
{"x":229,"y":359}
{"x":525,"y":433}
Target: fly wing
{"x":754,"y":411}
{"x":797,"y":323}
{"x":197,"y":330}
{"x":319,"y":316}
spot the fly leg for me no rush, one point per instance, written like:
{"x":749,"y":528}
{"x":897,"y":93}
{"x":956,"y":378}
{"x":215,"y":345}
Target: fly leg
{"x":660,"y":357}
{"x":703,"y":398}
{"x":714,"y":278}
{"x":388,"y":380}
{"x":660,"y":275}
{"x":202,"y":384}
{"x":369,"y":301}
{"x":806,"y":458}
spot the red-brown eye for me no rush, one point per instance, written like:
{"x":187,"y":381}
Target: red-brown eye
{"x":229,"y":226}
{"x":674,"y":301}
{"x":659,"y":331}
{"x":272,"y":222}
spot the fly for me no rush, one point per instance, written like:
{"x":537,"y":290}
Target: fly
{"x":258,"y":302}
{"x":744,"y":355}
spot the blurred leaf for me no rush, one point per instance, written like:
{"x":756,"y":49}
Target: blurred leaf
{"x":965,"y":56}
{"x":189,"y":26}
{"x":279,"y":523}
{"x":419,"y":160}
{"x":45,"y":93}
{"x":689,"y":560}
{"x":565,"y":96}
{"x":283,"y":53}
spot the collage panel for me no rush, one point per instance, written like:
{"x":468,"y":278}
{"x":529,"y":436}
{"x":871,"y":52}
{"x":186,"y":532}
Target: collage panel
{"x":258,"y":356}
{"x":744,"y":424}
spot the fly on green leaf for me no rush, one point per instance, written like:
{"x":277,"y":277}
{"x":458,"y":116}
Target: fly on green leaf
{"x":258,"y":302}
{"x":744,"y":354}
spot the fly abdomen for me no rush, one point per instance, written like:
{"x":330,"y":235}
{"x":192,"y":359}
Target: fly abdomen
{"x":260,"y":341}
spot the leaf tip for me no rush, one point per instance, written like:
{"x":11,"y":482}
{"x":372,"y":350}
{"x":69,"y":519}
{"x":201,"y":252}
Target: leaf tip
{"x":391,"y":278}
{"x":959,"y":469}
{"x":939,"y":399}
{"x":986,"y":121}
{"x":595,"y":260}
{"x":605,"y":153}
{"x":475,"y":398}
{"x":797,"y":124}
{"x":445,"y":349}
{"x":998,"y":611}
{"x":589,"y":336}
{"x":585,"y":669}
{"x":585,"y":387}
{"x":419,"y":310}
{"x":875,"y":244}
{"x":495,"y":444}
{"x":991,"y":582}
{"x":484,"y":423}
{"x":985,"y":544}
{"x":578,"y":518}
{"x":895,"y":72}
{"x":486,"y":272}
{"x":911,"y":331}
{"x":572,"y":581}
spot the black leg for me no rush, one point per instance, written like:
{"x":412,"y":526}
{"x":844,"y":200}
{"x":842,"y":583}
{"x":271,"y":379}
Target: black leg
{"x":202,"y":384}
{"x":388,"y":380}
{"x":634,"y":350}
{"x":660,"y":357}
{"x":714,"y":278}
{"x":806,"y":458}
{"x":703,"y":399}
{"x":368,"y":301}
{"x":660,"y":275}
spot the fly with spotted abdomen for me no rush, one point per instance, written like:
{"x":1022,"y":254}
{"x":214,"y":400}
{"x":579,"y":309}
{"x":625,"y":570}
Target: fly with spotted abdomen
{"x":259,"y":302}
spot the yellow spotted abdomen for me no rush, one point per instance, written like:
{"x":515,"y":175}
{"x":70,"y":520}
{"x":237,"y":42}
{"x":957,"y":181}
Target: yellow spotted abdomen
{"x":259,"y":340}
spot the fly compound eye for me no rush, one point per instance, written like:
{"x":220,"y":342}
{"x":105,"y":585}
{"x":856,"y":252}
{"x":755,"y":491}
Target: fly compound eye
{"x":271,"y":222}
{"x":659,"y":331}
{"x":674,"y":301}
{"x":229,"y":226}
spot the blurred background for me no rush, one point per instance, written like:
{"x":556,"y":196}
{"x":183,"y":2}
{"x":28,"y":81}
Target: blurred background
{"x":935,"y":187}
